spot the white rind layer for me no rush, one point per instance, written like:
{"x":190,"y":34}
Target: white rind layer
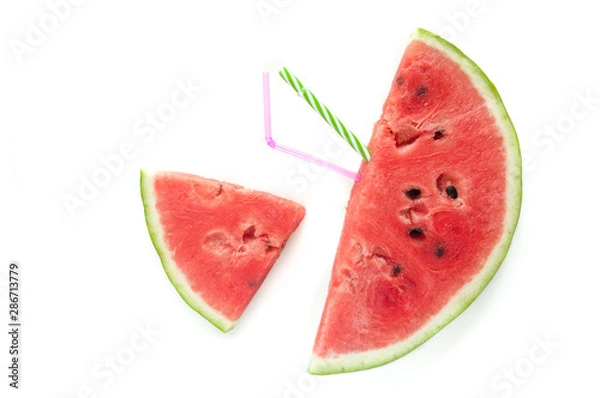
{"x":179,"y":281}
{"x":465,"y":296}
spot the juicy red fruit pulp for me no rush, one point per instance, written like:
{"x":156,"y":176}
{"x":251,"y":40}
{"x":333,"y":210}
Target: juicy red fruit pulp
{"x":222,"y":237}
{"x":427,"y":213}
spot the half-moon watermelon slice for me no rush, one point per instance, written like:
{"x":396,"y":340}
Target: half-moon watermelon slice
{"x":431,"y":219}
{"x":217,"y":241}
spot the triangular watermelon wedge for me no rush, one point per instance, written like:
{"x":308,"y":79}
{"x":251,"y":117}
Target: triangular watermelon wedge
{"x":431,"y":219}
{"x":217,"y":241}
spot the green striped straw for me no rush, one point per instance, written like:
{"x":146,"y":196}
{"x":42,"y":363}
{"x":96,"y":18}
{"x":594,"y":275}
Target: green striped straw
{"x":325,"y":113}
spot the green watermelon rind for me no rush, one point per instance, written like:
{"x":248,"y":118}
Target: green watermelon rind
{"x":460,"y":302}
{"x":177,"y":278}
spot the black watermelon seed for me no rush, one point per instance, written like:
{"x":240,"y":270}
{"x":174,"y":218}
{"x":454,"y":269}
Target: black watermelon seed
{"x":420,"y":91}
{"x":415,"y":233}
{"x":413,"y":193}
{"x":438,"y":134}
{"x":452,"y":192}
{"x":439,"y":251}
{"x":396,"y":270}
{"x":399,"y":80}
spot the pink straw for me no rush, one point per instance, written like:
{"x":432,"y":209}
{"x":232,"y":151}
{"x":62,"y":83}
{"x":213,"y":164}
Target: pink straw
{"x":291,"y":151}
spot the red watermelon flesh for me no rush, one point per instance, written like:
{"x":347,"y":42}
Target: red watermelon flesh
{"x":217,"y":241}
{"x":432,"y":217}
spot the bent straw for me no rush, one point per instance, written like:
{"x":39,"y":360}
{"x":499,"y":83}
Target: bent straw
{"x":325,"y":113}
{"x":291,"y":151}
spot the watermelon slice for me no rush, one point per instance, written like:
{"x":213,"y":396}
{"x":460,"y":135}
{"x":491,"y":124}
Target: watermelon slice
{"x":432,"y":218}
{"x":217,"y":241}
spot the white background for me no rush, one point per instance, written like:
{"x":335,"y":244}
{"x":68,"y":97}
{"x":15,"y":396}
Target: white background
{"x":90,"y":280}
